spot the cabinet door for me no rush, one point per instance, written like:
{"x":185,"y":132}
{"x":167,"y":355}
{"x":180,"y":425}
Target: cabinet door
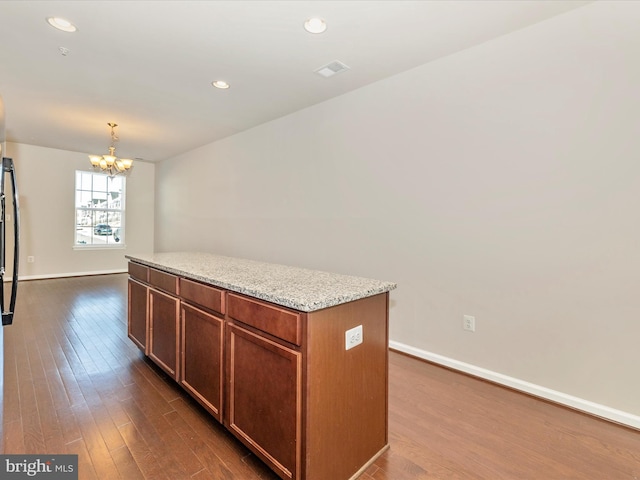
{"x":138,"y":326}
{"x":265,"y":399}
{"x":201,"y":366}
{"x":164,"y":312}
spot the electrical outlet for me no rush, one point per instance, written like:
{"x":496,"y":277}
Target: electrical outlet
{"x":469,"y":323}
{"x":353,"y":337}
{"x":31,"y":259}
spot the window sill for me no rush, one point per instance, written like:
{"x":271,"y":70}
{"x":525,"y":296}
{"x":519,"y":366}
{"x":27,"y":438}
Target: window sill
{"x":100,"y":247}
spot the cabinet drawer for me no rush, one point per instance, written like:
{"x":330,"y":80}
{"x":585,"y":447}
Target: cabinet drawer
{"x":163,"y":281}
{"x":269,"y":318}
{"x":203,"y":295}
{"x":139,"y":272}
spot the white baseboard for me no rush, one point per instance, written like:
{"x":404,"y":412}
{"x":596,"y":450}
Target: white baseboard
{"x":71,"y":274}
{"x":587,"y":406}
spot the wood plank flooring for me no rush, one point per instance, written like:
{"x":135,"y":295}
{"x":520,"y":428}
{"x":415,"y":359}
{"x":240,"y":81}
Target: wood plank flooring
{"x":74,"y":383}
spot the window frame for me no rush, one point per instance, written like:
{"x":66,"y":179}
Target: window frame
{"x":107,"y":210}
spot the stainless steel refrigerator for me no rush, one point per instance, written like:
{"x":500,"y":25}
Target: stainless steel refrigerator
{"x":10,"y":213}
{"x":9,"y":196}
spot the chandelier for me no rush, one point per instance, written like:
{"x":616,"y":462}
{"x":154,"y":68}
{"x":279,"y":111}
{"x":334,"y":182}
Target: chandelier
{"x":110,"y":164}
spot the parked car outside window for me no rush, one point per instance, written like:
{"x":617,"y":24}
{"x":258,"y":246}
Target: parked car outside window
{"x":102,"y":229}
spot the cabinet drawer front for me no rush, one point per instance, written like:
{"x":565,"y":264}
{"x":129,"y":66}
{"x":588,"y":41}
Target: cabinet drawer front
{"x":277,"y":321}
{"x":163,"y":281}
{"x":203,"y":295}
{"x":139,"y":271}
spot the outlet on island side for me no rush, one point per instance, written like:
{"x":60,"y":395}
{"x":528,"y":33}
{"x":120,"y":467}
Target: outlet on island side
{"x":469,"y":323}
{"x":353,"y":337}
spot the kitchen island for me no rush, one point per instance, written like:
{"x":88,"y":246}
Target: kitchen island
{"x":292,"y":361}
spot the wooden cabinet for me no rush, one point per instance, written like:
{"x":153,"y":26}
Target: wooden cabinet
{"x":202,"y":365}
{"x":202,"y":344}
{"x":281,"y":380}
{"x":138,"y":326}
{"x":345,"y":412}
{"x":265,"y":399}
{"x":304,"y":404}
{"x":138,"y":308}
{"x":164,"y":316}
{"x":153,"y":315}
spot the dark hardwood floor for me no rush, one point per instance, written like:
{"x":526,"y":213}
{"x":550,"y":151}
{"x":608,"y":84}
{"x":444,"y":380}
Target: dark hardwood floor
{"x":74,"y":383}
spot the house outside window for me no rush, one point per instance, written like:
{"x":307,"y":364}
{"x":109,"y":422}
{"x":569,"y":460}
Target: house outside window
{"x":100,"y":210}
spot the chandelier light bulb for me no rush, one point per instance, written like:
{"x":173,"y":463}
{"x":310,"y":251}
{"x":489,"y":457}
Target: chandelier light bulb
{"x":127,"y":163}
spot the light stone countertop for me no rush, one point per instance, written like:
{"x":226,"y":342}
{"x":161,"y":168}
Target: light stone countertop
{"x":298,"y":288}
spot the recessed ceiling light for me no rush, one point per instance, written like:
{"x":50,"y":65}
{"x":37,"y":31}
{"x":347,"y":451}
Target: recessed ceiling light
{"x":315,"y":25}
{"x":61,"y":24}
{"x":220,"y":84}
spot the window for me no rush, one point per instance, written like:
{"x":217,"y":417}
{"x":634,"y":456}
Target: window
{"x":99,"y":210}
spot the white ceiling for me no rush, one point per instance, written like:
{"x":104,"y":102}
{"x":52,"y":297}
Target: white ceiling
{"x":148,"y":65}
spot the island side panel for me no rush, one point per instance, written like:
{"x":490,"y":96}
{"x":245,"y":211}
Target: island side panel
{"x":346,"y":390}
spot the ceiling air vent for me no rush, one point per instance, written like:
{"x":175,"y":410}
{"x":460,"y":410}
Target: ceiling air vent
{"x":332,"y":69}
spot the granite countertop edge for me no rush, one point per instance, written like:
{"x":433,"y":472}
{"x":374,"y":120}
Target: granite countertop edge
{"x":313,"y":289}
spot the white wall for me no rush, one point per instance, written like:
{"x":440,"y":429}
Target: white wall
{"x":501,"y":182}
{"x":46,"y":187}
